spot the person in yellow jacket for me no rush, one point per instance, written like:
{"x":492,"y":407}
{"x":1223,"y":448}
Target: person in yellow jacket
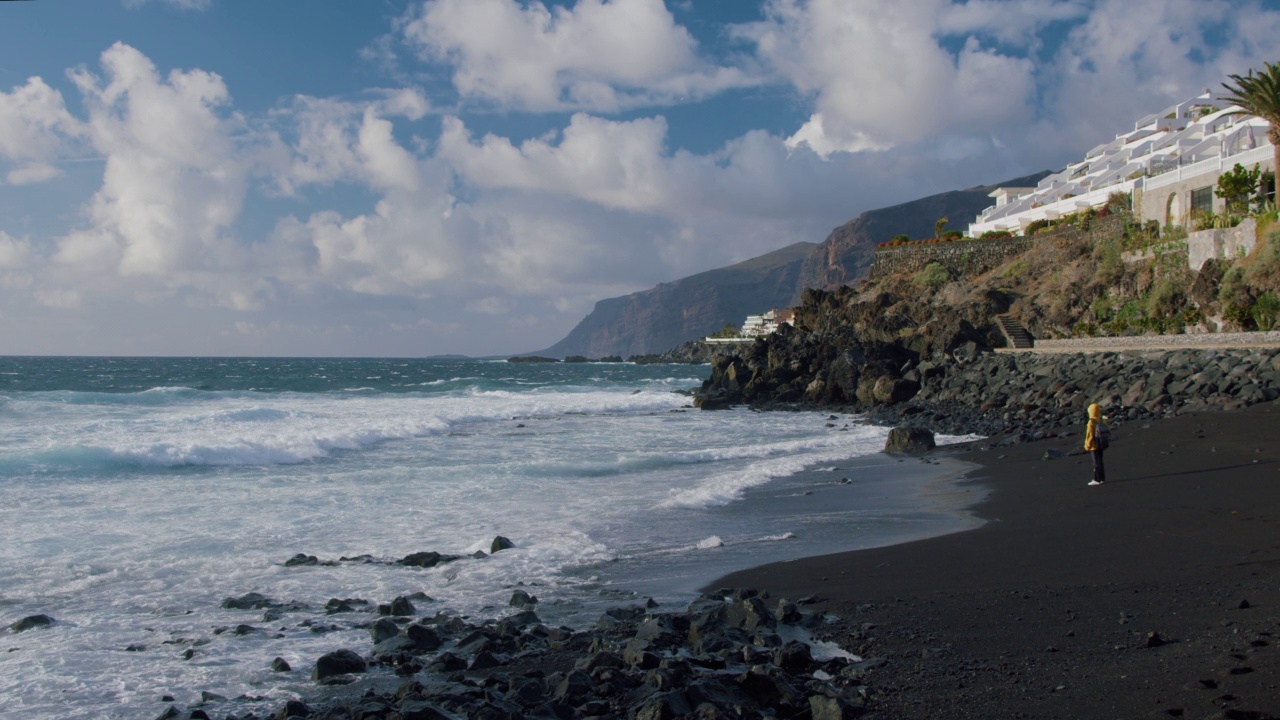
{"x":1097,"y":436}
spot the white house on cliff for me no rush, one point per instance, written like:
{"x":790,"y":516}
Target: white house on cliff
{"x":1170,"y":163}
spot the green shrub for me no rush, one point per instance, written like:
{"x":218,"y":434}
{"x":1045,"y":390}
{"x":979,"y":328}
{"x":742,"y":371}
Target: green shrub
{"x":1264,"y":310}
{"x":1233,"y":291}
{"x":1084,"y":329}
{"x":996,"y":235}
{"x":1239,"y":317}
{"x":1166,"y":298}
{"x":934,"y":274}
{"x":1119,"y":202}
{"x":901,"y":237}
{"x":1015,"y":269}
{"x":1036,"y":226}
{"x":1237,"y":187}
{"x":1108,"y":254}
{"x":952,"y":234}
{"x":1263,"y":266}
{"x":1101,"y":309}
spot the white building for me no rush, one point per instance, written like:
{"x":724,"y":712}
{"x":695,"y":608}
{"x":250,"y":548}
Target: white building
{"x":758,"y":326}
{"x":1170,"y":163}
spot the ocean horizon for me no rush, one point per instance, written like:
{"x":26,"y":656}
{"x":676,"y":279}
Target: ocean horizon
{"x":137,"y":494}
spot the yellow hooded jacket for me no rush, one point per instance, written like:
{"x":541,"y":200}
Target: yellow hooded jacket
{"x":1095,"y":417}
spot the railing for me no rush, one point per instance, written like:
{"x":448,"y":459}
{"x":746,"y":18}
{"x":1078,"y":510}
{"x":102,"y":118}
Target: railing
{"x":1066,"y":206}
{"x":1212,"y":165}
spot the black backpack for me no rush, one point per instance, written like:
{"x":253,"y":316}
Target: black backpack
{"x":1101,"y":436}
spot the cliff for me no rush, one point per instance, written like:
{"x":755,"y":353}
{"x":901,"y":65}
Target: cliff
{"x":656,"y":320}
{"x":846,"y":254}
{"x":663,"y":317}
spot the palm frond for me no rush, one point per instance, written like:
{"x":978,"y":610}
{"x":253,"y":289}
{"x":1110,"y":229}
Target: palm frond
{"x":1258,"y":94}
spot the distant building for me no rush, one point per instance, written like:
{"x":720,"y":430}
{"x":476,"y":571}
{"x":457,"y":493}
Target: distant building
{"x":763,"y":325}
{"x":1169,"y":163}
{"x":758,"y":326}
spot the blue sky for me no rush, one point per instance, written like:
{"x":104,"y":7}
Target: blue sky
{"x":419,"y":177}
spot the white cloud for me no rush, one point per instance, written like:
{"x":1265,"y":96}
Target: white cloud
{"x":1107,"y":76}
{"x":34,"y":129}
{"x":879,"y":76}
{"x":598,"y":55}
{"x":614,"y":164}
{"x":1018,"y":25}
{"x":174,"y":182}
{"x":14,"y":252}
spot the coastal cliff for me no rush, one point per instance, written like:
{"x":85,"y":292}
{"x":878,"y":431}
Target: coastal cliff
{"x":688,"y":309}
{"x":651,"y":321}
{"x":917,"y":346}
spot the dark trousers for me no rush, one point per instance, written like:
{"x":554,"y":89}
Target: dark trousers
{"x":1099,"y":472}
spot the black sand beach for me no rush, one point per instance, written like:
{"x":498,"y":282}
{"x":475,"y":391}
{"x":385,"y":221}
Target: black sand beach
{"x":1155,"y":595}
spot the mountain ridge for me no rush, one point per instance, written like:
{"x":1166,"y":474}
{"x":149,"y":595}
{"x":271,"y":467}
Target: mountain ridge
{"x":690,"y":308}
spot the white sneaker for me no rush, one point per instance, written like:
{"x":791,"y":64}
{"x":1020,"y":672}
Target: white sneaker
{"x":1094,"y":482}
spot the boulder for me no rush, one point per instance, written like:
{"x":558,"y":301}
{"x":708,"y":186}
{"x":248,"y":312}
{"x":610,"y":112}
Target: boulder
{"x":302,"y":559}
{"x":909,"y":441}
{"x":383,"y":629}
{"x":500,"y":543}
{"x":31,"y":621}
{"x":891,"y":391}
{"x":280,"y":665}
{"x":338,"y":662}
{"x":249,"y":601}
{"x":520,"y":598}
{"x":426,"y":559}
{"x":424,"y":637}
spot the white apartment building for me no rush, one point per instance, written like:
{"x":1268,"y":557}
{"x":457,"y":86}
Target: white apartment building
{"x":1169,"y":163}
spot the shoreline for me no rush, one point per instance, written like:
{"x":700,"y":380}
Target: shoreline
{"x":1048,"y":609}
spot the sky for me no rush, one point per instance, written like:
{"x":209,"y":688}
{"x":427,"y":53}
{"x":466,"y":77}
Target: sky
{"x":420,"y":177}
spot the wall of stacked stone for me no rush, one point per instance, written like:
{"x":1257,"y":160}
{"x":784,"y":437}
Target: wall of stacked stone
{"x":973,"y":257}
{"x":961,"y":257}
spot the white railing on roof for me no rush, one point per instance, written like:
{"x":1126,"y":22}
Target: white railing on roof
{"x":1054,"y":210}
{"x":1212,"y":165}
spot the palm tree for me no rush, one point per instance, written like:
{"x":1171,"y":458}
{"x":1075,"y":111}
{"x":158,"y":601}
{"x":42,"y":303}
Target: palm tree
{"x":1260,"y":95}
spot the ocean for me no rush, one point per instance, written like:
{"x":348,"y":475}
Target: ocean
{"x":136,"y":494}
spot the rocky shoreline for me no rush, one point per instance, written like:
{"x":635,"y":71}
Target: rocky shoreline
{"x":729,"y":654}
{"x":1022,"y":396}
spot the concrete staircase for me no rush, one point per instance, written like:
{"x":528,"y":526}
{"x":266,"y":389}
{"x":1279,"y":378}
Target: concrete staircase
{"x":1017,"y":335}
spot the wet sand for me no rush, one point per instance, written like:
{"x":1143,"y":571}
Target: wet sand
{"x":1155,"y":595}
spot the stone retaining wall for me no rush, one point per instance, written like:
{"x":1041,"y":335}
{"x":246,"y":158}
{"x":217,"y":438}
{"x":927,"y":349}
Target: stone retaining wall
{"x":973,"y":257}
{"x":961,"y":257}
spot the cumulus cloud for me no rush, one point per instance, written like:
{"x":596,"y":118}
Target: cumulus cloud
{"x":879,"y":77}
{"x":34,"y":130}
{"x":598,"y":55}
{"x":1107,"y":76}
{"x":174,"y":180}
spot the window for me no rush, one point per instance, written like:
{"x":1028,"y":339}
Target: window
{"x":1202,"y":200}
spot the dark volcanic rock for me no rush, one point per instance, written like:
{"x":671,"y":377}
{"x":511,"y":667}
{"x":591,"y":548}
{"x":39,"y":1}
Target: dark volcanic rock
{"x":338,"y":662}
{"x":909,"y":441}
{"x":302,"y":559}
{"x":520,"y":598}
{"x":500,"y":543}
{"x":250,"y":601}
{"x":426,"y":559}
{"x":31,"y":621}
